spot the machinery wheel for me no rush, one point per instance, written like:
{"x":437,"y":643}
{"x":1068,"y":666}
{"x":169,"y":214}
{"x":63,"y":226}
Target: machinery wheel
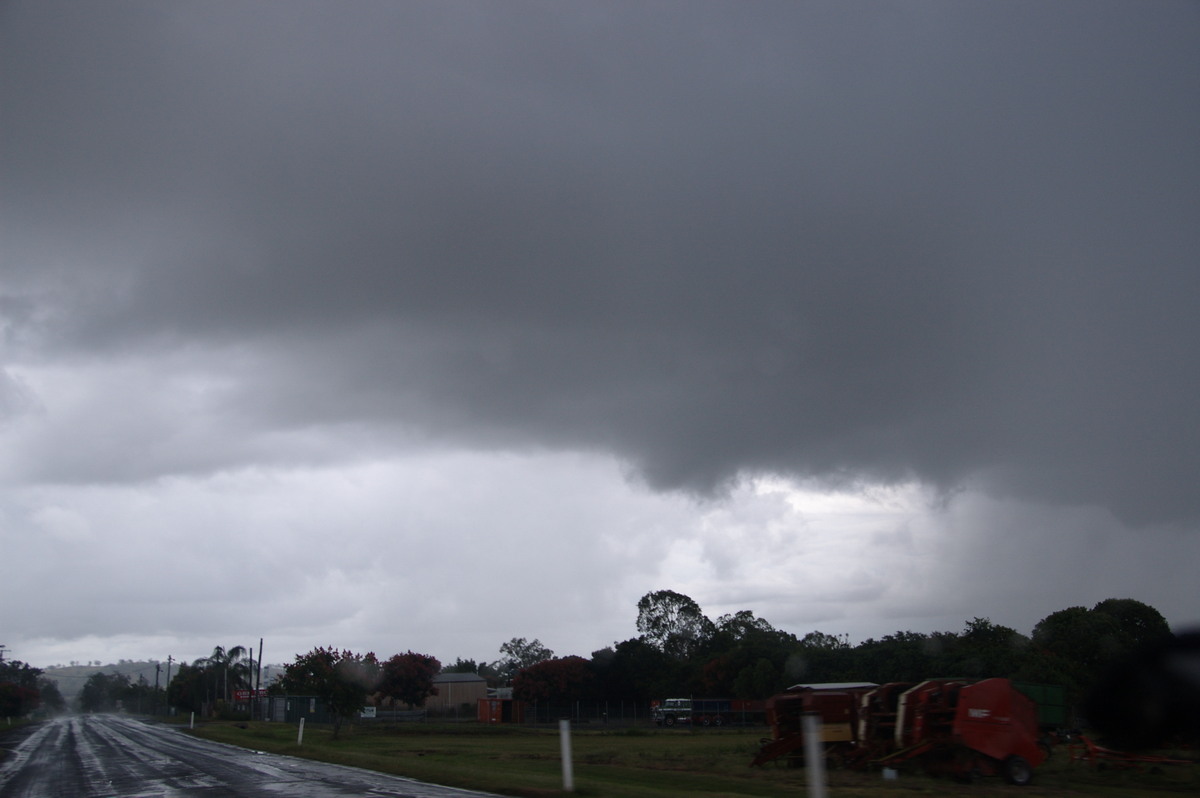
{"x":669,"y":721}
{"x":707,"y":721}
{"x":718,"y":721}
{"x":1017,"y":771}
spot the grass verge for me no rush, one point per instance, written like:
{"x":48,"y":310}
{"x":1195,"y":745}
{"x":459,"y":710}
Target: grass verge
{"x":639,"y":763}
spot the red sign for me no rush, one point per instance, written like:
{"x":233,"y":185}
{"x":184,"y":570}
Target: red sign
{"x":244,"y":695}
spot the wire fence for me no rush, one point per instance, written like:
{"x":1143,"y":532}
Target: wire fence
{"x":593,"y":714}
{"x":599,"y":713}
{"x":620,"y":714}
{"x":610,"y":713}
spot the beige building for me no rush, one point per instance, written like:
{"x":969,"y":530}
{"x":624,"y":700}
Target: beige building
{"x":453,"y":691}
{"x":456,"y":689}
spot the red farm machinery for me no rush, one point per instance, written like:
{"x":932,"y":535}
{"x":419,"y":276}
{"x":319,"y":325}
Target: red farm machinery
{"x":837,"y":705}
{"x":968,"y":728}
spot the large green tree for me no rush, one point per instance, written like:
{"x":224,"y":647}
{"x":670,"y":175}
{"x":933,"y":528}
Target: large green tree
{"x":1134,"y":624}
{"x":986,"y":649}
{"x":1083,"y":643}
{"x":461,"y":665}
{"x":104,"y":692}
{"x":634,"y":670}
{"x":898,"y":657}
{"x":190,"y":687}
{"x":760,"y":680}
{"x":818,"y":657}
{"x":19,"y":694}
{"x":673,"y":623}
{"x":1075,"y":639}
{"x":408,"y":678}
{"x":519,"y":653}
{"x":51,"y":697}
{"x":557,"y":680}
{"x":742,"y":625}
{"x":341,"y":679}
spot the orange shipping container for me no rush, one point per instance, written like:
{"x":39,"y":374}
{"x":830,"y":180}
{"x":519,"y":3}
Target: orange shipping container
{"x":501,"y":710}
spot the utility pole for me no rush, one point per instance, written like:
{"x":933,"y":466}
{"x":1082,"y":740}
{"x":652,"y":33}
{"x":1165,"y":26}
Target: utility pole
{"x":168,"y":685}
{"x":157,"y":669}
{"x":250,"y":682}
{"x":258,"y":680}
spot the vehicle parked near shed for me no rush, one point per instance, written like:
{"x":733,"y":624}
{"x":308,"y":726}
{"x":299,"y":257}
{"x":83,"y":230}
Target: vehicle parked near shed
{"x":706,"y":711}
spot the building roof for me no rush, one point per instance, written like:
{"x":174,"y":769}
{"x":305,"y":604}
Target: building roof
{"x":458,"y":677}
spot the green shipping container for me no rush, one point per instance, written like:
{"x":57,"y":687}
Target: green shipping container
{"x":311,"y":708}
{"x":1051,"y":700}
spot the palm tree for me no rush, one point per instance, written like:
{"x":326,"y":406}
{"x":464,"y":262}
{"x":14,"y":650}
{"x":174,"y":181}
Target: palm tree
{"x":226,"y":662}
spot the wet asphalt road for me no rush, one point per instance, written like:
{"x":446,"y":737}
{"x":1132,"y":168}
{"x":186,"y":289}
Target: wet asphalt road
{"x":98,"y":756}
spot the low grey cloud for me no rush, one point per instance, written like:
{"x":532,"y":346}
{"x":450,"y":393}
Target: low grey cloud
{"x":849,"y":244}
{"x":756,"y":239}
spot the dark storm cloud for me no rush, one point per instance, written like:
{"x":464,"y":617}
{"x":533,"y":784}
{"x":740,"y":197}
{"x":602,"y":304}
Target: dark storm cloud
{"x":850,"y":242}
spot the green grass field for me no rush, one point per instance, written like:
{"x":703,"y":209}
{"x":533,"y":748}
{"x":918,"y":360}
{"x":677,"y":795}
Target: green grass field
{"x":641,"y":763}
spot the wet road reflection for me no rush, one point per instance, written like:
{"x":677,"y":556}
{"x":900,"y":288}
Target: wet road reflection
{"x":108,"y":755}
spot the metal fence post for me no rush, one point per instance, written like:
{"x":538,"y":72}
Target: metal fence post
{"x":814,"y":754}
{"x":564,"y":733}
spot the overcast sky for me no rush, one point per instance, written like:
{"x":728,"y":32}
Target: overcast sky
{"x":424,"y":326}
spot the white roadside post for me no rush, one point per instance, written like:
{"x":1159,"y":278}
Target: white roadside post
{"x":300,"y":735}
{"x":814,"y":758}
{"x":564,"y":733}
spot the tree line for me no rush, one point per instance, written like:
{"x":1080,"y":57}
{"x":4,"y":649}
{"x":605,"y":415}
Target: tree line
{"x":682,"y":652}
{"x":679,"y":651}
{"x":109,"y":692}
{"x":342,"y":679}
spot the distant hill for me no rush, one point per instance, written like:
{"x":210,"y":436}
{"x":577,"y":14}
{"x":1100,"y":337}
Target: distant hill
{"x":70,"y":679}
